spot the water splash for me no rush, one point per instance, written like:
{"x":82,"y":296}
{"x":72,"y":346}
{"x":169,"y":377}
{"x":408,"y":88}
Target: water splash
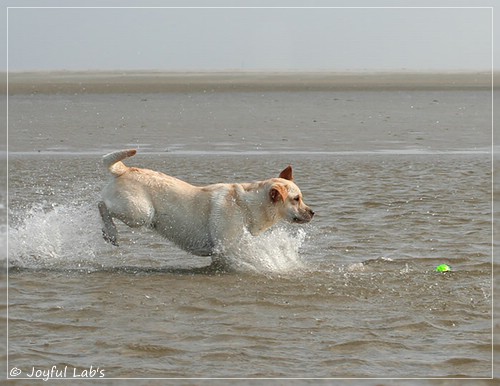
{"x":57,"y":236}
{"x":3,"y":245}
{"x":69,"y":237}
{"x":275,"y":251}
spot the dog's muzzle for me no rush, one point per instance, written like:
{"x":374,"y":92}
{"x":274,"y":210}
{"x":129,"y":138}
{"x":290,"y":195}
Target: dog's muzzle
{"x":304,"y":218}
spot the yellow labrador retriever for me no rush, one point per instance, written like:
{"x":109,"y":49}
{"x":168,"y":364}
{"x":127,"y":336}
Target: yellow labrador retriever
{"x":204,"y":220}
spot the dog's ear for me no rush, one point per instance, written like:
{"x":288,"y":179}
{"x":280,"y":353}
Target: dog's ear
{"x":278,"y":192}
{"x":287,"y":173}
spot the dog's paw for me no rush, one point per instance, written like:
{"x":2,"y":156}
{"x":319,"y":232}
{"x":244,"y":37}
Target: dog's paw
{"x":110,"y":239}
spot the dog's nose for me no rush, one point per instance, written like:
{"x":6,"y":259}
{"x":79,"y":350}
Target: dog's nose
{"x":311,"y":212}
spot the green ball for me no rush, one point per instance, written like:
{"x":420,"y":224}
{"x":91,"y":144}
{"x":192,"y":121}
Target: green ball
{"x":443,"y":268}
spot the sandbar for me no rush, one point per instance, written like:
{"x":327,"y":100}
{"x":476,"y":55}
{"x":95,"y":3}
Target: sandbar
{"x":185,"y":82}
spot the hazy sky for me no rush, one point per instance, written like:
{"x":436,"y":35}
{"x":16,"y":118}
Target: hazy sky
{"x":248,"y":39}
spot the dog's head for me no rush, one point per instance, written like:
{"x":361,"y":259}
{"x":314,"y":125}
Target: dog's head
{"x":287,"y":199}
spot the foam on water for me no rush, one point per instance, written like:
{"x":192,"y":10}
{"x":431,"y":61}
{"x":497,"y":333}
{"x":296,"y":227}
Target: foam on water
{"x":69,"y":237}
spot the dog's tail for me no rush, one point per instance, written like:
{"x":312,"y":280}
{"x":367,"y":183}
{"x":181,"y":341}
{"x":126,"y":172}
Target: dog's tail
{"x":113,"y":161}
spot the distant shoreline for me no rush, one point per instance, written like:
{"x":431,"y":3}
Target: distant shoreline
{"x":156,"y":82}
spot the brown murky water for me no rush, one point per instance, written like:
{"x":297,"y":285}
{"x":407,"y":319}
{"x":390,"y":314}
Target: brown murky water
{"x":400,"y":181}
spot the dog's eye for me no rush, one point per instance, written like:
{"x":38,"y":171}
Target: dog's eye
{"x":296,"y":199}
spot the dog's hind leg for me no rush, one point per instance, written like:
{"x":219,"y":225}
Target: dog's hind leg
{"x":109,"y":231}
